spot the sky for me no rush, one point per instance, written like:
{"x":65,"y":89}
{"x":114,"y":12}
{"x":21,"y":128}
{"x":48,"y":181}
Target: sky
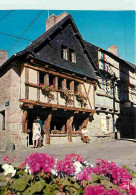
{"x":101,"y":28}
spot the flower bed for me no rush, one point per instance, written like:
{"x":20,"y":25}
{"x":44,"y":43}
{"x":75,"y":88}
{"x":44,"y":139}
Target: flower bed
{"x":44,"y":174}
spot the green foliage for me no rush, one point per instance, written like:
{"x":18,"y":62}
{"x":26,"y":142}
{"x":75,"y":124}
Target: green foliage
{"x":20,"y":184}
{"x":108,"y":185}
{"x":132,"y":173}
{"x":51,"y":189}
{"x":35,"y":187}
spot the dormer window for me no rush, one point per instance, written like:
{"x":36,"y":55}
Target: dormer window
{"x":72,"y":56}
{"x":64,"y":52}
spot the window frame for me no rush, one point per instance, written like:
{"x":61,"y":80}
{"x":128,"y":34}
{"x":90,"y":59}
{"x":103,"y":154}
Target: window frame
{"x":64,"y":52}
{"x":72,"y":56}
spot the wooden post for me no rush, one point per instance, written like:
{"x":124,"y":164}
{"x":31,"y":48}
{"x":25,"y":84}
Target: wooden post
{"x":47,"y":128}
{"x":69,"y":128}
{"x":85,"y":123}
{"x":72,"y":89}
{"x":26,"y":81}
{"x":24,"y":121}
{"x":56,"y":87}
{"x":46,"y":79}
{"x":38,"y":82}
{"x":64,"y":84}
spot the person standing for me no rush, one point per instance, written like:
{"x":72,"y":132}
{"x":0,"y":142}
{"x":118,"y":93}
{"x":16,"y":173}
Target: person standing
{"x":40,"y":139}
{"x":36,"y":133}
{"x":40,"y":122}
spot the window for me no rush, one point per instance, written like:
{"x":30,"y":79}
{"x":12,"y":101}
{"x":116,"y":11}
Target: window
{"x":72,"y":56}
{"x":2,"y":119}
{"x":60,"y":82}
{"x":64,"y":52}
{"x":41,"y":78}
{"x":77,"y":87}
{"x":68,"y":84}
{"x":51,"y":80}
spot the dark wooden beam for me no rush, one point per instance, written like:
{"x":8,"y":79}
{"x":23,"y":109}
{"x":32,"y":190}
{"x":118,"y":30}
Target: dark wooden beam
{"x":47,"y":128}
{"x":69,"y":128}
{"x":63,"y":75}
{"x":26,"y":80}
{"x":38,"y":82}
{"x":25,"y":101}
{"x":87,"y":96}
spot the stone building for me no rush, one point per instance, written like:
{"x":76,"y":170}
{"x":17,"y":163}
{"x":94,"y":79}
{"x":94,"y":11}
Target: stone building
{"x":69,"y":83}
{"x":52,"y":78}
{"x":115,"y":94}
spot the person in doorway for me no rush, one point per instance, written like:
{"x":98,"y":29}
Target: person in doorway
{"x":39,"y":121}
{"x":40,"y":139}
{"x":36,"y":133}
{"x":85,"y":135}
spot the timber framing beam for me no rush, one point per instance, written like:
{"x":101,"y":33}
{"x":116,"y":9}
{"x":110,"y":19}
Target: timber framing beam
{"x":64,"y":75}
{"x":37,"y":103}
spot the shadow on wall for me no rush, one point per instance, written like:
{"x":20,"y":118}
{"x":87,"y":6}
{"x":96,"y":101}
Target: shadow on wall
{"x":126,"y":121}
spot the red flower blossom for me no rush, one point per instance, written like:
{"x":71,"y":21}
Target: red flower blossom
{"x":6,"y":159}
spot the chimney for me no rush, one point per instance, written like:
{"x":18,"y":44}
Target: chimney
{"x":52,"y":20}
{"x":3,"y":56}
{"x":113,"y":49}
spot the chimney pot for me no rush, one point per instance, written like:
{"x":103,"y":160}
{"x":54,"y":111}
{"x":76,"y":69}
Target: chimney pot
{"x":52,"y":20}
{"x":113,"y":49}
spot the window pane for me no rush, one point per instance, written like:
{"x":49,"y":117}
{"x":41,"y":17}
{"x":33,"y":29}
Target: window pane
{"x":41,"y":78}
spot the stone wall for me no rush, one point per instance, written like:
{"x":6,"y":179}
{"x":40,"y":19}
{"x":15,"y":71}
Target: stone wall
{"x":10,"y":92}
{"x":15,"y":113}
{"x":5,"y":86}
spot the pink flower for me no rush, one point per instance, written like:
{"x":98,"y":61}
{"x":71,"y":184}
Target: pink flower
{"x":100,"y":190}
{"x":39,"y":161}
{"x":85,"y":174}
{"x":14,"y":158}
{"x":94,"y":190}
{"x":112,"y":192}
{"x":65,"y":166}
{"x":6,"y":159}
{"x":131,"y":190}
{"x":116,"y":174}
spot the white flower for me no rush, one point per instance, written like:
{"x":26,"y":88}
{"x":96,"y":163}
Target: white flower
{"x":9,"y":169}
{"x":27,"y":169}
{"x":54,"y":172}
{"x":78,"y":166}
{"x":88,"y":164}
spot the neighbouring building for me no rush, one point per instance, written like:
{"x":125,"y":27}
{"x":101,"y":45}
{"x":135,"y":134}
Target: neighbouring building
{"x":115,"y":94}
{"x":69,"y":83}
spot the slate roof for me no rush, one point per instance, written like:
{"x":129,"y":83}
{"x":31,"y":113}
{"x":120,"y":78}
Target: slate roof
{"x":83,"y":66}
{"x":93,"y":50}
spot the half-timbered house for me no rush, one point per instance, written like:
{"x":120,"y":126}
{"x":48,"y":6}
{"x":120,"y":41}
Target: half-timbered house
{"x":54,"y":78}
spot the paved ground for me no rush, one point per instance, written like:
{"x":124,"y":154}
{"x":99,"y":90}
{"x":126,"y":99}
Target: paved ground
{"x":120,"y":151}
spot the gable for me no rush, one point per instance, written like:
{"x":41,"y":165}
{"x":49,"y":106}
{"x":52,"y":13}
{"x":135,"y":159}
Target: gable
{"x":51,"y":52}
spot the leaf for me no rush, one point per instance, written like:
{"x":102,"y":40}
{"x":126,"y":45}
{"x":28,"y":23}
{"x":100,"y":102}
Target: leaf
{"x":51,"y":189}
{"x":76,"y":185}
{"x":2,"y":178}
{"x":108,"y":185}
{"x":133,"y":175}
{"x":94,"y":178}
{"x":70,"y":189}
{"x":101,"y":177}
{"x":21,"y":183}
{"x":72,"y":179}
{"x":35,"y":187}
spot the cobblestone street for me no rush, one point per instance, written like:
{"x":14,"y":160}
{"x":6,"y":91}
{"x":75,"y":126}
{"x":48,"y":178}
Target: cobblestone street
{"x":120,"y":151}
